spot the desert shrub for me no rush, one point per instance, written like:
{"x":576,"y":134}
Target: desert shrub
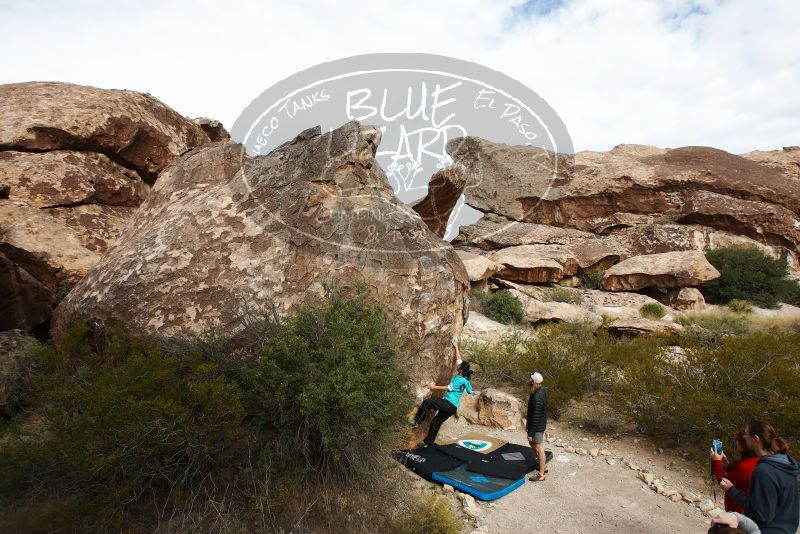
{"x":592,"y":279}
{"x":324,"y":380}
{"x":652,"y":310}
{"x":429,"y":515}
{"x":572,"y":359}
{"x":716,"y":389}
{"x":740,"y":306}
{"x":562,"y":294}
{"x":748,"y":274}
{"x":150,"y":430}
{"x":61,"y":292}
{"x":503,"y":307}
{"x":710,"y":328}
{"x":123,"y":419}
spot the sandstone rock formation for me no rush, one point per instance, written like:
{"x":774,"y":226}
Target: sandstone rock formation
{"x":492,"y":408}
{"x":75,"y":163}
{"x":686,"y":298}
{"x":649,"y":200}
{"x":222,"y":235}
{"x":625,"y":326}
{"x":479,"y":267}
{"x":498,"y":409}
{"x":668,"y":270}
{"x":213,"y":129}
{"x":133,"y":129}
{"x":786,"y":161}
{"x":444,"y":189}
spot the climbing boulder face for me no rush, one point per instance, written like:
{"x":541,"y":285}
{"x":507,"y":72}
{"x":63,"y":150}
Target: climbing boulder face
{"x":75,"y":163}
{"x":133,"y":129}
{"x":223,"y":235}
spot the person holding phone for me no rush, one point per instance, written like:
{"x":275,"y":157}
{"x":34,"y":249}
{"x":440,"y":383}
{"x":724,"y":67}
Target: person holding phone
{"x":738,"y":472}
{"x":774,"y":501}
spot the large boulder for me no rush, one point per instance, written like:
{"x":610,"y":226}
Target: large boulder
{"x":38,"y":256}
{"x":479,"y":268}
{"x":133,"y":129}
{"x":498,"y":409}
{"x":668,"y":270}
{"x":535,"y":263}
{"x":222,"y":235}
{"x":686,"y":298}
{"x":74,"y":166}
{"x":635,"y":327}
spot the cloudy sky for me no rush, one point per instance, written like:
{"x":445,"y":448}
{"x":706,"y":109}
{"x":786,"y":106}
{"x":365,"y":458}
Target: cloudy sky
{"x":724,"y":73}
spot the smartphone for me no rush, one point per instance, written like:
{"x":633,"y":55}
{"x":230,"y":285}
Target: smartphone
{"x":717,"y":446}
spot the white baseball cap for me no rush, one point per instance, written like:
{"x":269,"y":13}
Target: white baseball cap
{"x":537,"y":378}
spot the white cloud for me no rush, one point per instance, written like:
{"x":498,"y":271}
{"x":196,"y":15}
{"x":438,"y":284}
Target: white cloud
{"x":667,"y":73}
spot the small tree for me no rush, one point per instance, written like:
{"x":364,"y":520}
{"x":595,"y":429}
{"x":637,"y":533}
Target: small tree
{"x":503,"y":307}
{"x":748,"y":274}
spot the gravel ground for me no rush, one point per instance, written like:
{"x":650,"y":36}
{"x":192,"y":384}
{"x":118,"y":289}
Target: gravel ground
{"x":583,"y":494}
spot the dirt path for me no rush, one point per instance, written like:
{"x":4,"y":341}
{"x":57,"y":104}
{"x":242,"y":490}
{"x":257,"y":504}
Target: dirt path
{"x":600,"y":495}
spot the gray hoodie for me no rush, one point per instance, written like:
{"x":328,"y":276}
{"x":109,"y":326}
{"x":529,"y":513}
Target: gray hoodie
{"x":773,"y":502}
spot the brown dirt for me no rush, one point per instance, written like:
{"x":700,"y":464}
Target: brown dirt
{"x":587,"y":494}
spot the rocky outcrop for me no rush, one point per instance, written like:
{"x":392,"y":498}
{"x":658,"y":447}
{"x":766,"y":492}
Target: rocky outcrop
{"x":444,"y":189}
{"x":786,"y":161}
{"x":494,"y":232}
{"x":536,"y":311}
{"x":74,"y":166}
{"x":479,"y":267}
{"x":133,"y":129}
{"x":222,"y":235}
{"x":668,"y":270}
{"x":38,"y":255}
{"x":769,"y":223}
{"x":644,"y":197}
{"x":508,"y":180}
{"x":213,"y":129}
{"x":634,"y":327}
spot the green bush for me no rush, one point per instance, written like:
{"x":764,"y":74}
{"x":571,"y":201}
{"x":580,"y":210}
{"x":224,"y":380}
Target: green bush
{"x":129,"y":431}
{"x":324,"y":380}
{"x":710,"y":328}
{"x":748,"y":274}
{"x":740,"y":306}
{"x":429,"y":515}
{"x":652,"y":310}
{"x":592,"y":279}
{"x":716,"y":389}
{"x":562,"y":294}
{"x":572,"y":359}
{"x":503,"y":307}
{"x":119,"y":421}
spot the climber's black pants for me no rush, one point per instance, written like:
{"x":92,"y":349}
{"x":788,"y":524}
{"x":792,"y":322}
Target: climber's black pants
{"x":444,"y":408}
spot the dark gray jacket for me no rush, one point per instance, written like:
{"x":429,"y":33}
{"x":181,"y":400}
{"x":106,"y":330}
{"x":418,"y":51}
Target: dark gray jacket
{"x":773,"y":502}
{"x":537,"y":411}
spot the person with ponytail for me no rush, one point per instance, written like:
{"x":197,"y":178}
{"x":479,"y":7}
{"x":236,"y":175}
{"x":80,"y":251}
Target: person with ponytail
{"x":773,"y":502}
{"x":448,"y":405}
